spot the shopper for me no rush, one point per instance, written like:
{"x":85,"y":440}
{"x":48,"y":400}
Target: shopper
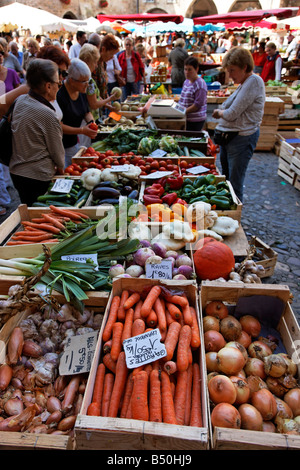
{"x":113,"y":68}
{"x":259,"y":58}
{"x":176,"y":59}
{"x":32,"y":49}
{"x":133,"y":69}
{"x":38,"y":152}
{"x":193,"y":96}
{"x":273,"y":65}
{"x":75,"y":48}
{"x":239,"y":117}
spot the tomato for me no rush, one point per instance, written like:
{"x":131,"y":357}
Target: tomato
{"x":69,"y":168}
{"x":76,"y":167}
{"x":190,"y":165}
{"x":161,"y":168}
{"x":206,"y":165}
{"x":170,"y":167}
{"x":154,"y":165}
{"x":169,"y":161}
{"x":163,"y":164}
{"x":93,"y":126}
{"x":147,"y":168}
{"x":85,"y":163}
{"x":183,"y":164}
{"x":109,"y":153}
{"x":149,"y":159}
{"x":115,"y":161}
{"x":183,"y":171}
{"x":143,"y":173}
{"x":76,"y":173}
{"x":99,"y":166}
{"x":107,"y":161}
{"x":143,"y":168}
{"x":93,"y":164}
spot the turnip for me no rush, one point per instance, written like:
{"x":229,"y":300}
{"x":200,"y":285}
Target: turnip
{"x":171,"y":253}
{"x":180,"y":277}
{"x":159,"y":249}
{"x":175,"y":272}
{"x":141,"y":255}
{"x":172,"y":261}
{"x":122,"y":275}
{"x":185,"y":270}
{"x":145,"y":243}
{"x":116,"y":270}
{"x":135,"y":270}
{"x":183,"y":260}
{"x":154,"y":260}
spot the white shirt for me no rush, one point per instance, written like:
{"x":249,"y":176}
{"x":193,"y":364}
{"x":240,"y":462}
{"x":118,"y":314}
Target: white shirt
{"x":74,"y":51}
{"x":111,"y":66}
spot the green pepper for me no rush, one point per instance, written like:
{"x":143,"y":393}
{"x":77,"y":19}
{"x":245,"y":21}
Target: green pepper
{"x":210,"y":179}
{"x":199,"y":181}
{"x":210,"y":189}
{"x":187,"y":182}
{"x":222,"y":185}
{"x":222,"y":192}
{"x":199,"y":198}
{"x":221,"y":202}
{"x":200,"y":190}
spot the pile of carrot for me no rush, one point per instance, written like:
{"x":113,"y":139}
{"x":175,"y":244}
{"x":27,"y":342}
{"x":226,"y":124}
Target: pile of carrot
{"x":46,"y":228}
{"x":167,"y":390}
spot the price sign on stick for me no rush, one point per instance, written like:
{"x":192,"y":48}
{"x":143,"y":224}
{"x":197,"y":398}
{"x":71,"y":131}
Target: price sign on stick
{"x":196,"y":170}
{"x":78,"y":354}
{"x":62,"y":185}
{"x":83,"y":258}
{"x":143,"y":349}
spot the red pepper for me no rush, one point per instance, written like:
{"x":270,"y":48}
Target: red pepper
{"x":162,"y":181}
{"x":170,"y":198}
{"x":151,"y":199}
{"x":160,"y":188}
{"x":152,"y":191}
{"x":181,"y":201}
{"x":175,"y":182}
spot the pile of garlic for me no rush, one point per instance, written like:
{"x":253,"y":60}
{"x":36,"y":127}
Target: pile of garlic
{"x":247,"y":272}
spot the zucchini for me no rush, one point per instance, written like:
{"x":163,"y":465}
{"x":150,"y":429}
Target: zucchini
{"x":186,"y":151}
{"x":82,"y":200}
{"x":197,"y":153}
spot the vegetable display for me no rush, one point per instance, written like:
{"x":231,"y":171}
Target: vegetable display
{"x":250,"y":384}
{"x":151,"y":392}
{"x":76,"y":197}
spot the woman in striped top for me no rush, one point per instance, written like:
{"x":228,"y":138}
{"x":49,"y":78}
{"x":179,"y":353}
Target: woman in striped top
{"x":193,"y":96}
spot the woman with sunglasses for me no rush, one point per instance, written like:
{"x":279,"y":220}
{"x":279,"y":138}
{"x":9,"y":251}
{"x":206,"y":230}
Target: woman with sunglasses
{"x":133,"y":69}
{"x":38,"y":152}
{"x":72,"y":99}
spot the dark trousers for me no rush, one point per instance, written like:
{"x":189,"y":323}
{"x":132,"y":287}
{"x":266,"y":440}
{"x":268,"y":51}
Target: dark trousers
{"x":29,"y":189}
{"x":194,"y":126}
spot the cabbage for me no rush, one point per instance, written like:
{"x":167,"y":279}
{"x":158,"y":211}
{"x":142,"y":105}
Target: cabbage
{"x":147,"y":145}
{"x":168,"y":144}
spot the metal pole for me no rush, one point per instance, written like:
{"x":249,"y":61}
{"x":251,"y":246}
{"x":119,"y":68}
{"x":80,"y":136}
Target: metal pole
{"x":137,"y":6}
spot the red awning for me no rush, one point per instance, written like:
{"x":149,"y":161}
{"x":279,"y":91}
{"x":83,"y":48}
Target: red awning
{"x":234,"y":26}
{"x":142,"y":17}
{"x":253,"y":16}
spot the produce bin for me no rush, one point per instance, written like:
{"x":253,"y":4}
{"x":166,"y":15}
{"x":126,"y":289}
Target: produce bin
{"x":27,"y":440}
{"x":265,"y":256}
{"x":286,"y":330}
{"x":105,"y":433}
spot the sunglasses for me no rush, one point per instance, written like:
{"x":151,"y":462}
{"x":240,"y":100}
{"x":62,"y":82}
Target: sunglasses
{"x":63,"y":73}
{"x":1,"y":53}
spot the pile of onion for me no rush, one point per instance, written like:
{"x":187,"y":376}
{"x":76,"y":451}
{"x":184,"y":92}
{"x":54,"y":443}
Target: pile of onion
{"x":250,"y":386}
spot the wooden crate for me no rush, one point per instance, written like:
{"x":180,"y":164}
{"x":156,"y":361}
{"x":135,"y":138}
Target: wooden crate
{"x":265,"y":256}
{"x":103,"y":433}
{"x":287,"y":328}
{"x":168,"y":123}
{"x":275,"y":89}
{"x":285,"y":172}
{"x":288,"y":124}
{"x":297,"y":182}
{"x":295,"y":163}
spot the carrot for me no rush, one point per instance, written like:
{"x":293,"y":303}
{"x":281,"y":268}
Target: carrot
{"x":70,"y":392}
{"x":170,"y":367}
{"x":54,"y":221}
{"x":128,"y":324}
{"x":138,"y":327}
{"x":137,"y":310}
{"x":38,"y":220}
{"x":187,"y":315}
{"x":151,"y":319}
{"x":136,"y":370}
{"x":32,"y":231}
{"x":119,"y":385}
{"x":51,"y":240}
{"x":184,"y":342}
{"x":176,"y":299}
{"x":18,"y":242}
{"x":172,"y":339}
{"x":127,"y":396}
{"x":169,"y":318}
{"x":180,"y":396}
{"x":155,"y":412}
{"x":139,"y":399}
{"x":107,"y":391}
{"x":167,"y":402}
{"x":112,"y":318}
{"x":65,"y":212}
{"x":33,"y":238}
{"x":150,"y":300}
{"x":94,"y":409}
{"x":188,"y":398}
{"x":116,"y":345}
{"x":159,"y":308}
{"x":98,"y":386}
{"x":148,"y":369}
{"x":109,"y":363}
{"x":196,"y":412}
{"x":195,"y":340}
{"x":121,"y":309}
{"x":107,"y":346}
{"x":174,"y":311}
{"x":44,"y":226}
{"x":132,"y":300}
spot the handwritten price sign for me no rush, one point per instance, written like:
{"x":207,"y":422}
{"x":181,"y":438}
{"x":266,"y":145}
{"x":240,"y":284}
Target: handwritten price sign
{"x":162,"y":270}
{"x":143,"y":349}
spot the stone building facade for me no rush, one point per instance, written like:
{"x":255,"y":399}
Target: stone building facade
{"x":79,"y":9}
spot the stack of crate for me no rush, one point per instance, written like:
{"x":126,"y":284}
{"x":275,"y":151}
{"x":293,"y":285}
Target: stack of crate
{"x":289,"y":158}
{"x":269,"y":126}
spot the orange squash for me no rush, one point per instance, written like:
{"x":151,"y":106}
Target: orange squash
{"x":213,"y":260}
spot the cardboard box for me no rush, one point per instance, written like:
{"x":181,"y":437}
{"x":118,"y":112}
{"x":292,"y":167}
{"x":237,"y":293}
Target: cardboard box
{"x":104,"y":433}
{"x":287,"y":329}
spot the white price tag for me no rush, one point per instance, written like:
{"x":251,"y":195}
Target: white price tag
{"x":82,"y":258}
{"x":196,"y":170}
{"x":143,"y":349}
{"x":158,"y":153}
{"x":156,"y":175}
{"x":162,"y":270}
{"x":62,"y":185}
{"x":119,"y":168}
{"x":78,"y":354}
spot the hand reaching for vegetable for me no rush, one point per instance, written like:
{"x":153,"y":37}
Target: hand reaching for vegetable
{"x":86,"y":130}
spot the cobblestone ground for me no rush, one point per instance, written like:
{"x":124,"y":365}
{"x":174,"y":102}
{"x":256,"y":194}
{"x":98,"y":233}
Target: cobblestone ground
{"x":271,"y":211}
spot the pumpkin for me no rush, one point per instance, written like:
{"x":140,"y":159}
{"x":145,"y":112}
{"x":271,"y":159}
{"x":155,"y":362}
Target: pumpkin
{"x":202,"y":241}
{"x":213,"y":260}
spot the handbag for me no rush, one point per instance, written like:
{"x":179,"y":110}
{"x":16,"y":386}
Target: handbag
{"x":121,"y":80}
{"x":6,"y":136}
{"x":223,"y":138}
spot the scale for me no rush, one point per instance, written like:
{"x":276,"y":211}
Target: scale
{"x":166,"y":108}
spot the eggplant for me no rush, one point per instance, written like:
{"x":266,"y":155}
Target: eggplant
{"x":126,"y":190}
{"x":108,"y":184}
{"x":134,"y":194}
{"x":106,"y":193}
{"x":108,"y":201}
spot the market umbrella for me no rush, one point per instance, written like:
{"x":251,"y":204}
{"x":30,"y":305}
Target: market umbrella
{"x":208,"y":28}
{"x":35,"y":19}
{"x":119,"y":27}
{"x":143,"y":17}
{"x":159,"y":27}
{"x":91,"y":25}
{"x":253,"y":16}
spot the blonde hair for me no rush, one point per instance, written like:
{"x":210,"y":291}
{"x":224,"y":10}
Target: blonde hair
{"x":4,"y":44}
{"x":239,"y":57}
{"x":33,"y":42}
{"x":271,"y":45}
{"x":89,"y":52}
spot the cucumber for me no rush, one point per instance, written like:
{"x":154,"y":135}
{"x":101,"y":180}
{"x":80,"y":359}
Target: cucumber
{"x":186,"y":152}
{"x":197,"y":153}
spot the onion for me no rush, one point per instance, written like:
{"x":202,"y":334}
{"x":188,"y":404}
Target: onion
{"x":116,"y":270}
{"x":216,"y":308}
{"x":255,"y":383}
{"x":268,"y":426}
{"x":230,"y":360}
{"x":159,"y":249}
{"x":141,"y":255}
{"x":187,"y":271}
{"x":183,"y":260}
{"x":13,"y":406}
{"x":264,"y":401}
{"x":244,"y":339}
{"x":255,"y":366}
{"x":135,"y":270}
{"x":230,"y":328}
{"x":211,"y":361}
{"x":225,"y":415}
{"x":287,"y":426}
{"x":291,"y":366}
{"x":211,"y":323}
{"x":259,"y":349}
{"x":288,"y":381}
{"x":241,"y":374}
{"x":211,"y":375}
{"x":213,"y":341}
{"x":275,"y":365}
{"x":236,"y":345}
{"x":242,"y":390}
{"x":292,"y":398}
{"x":251,"y":325}
{"x":275,"y":387}
{"x":283,"y":409}
{"x":221,"y":390}
{"x":251,"y":419}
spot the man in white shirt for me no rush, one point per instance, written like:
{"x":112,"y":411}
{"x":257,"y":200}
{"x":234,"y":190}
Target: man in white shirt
{"x":75,"y":48}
